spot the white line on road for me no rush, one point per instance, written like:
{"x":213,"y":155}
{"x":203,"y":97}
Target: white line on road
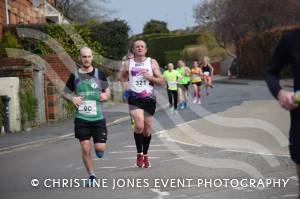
{"x":161,"y":194}
{"x":106,"y":167}
{"x":241,"y":151}
{"x":117,"y":152}
{"x":152,"y":145}
{"x":133,"y":166}
{"x":285,"y":196}
{"x":133,"y":158}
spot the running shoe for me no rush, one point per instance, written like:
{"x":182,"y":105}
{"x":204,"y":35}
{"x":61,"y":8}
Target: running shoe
{"x":91,"y":181}
{"x":195,"y":100}
{"x":139,"y":160}
{"x":146,"y":162}
{"x":199,"y":101}
{"x":211,"y":86}
{"x":181,"y":105}
{"x":185,"y":105}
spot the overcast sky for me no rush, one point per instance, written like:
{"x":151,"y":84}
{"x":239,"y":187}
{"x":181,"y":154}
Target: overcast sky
{"x":177,"y":13}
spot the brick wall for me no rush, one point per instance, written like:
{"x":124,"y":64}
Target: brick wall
{"x":2,"y":17}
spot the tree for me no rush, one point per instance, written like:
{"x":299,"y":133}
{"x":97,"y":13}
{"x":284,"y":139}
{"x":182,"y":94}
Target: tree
{"x":207,"y":11}
{"x":82,"y":11}
{"x":232,"y":19}
{"x":113,"y":36}
{"x":155,"y":26}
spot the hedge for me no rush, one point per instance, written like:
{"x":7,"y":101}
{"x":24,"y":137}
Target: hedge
{"x":255,"y":51}
{"x":159,"y":45}
{"x":69,"y":41}
{"x":173,"y":56}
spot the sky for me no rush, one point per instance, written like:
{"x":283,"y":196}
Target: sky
{"x":177,"y":13}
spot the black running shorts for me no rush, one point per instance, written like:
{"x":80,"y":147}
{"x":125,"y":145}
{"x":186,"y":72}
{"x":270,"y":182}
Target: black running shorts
{"x":148,"y":104}
{"x":86,"y":130}
{"x":197,"y":83}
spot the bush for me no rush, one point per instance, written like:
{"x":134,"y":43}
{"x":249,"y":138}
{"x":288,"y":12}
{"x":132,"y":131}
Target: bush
{"x":255,"y":51}
{"x":173,"y":56}
{"x":195,"y":52}
{"x":70,"y":41}
{"x":158,"y":45}
{"x":28,"y":102}
{"x":8,"y":41}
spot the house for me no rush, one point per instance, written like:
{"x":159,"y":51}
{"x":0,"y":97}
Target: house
{"x":29,"y":12}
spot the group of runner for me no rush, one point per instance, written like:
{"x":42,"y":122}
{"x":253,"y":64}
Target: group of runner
{"x":178,"y":81}
{"x":87,"y":88}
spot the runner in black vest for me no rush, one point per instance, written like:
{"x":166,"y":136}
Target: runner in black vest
{"x":288,"y":53}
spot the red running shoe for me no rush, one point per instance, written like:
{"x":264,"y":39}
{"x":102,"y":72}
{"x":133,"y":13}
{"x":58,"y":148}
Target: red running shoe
{"x":146,"y":162}
{"x":139,"y":160}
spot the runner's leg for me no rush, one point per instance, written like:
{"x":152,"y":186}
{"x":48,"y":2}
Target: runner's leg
{"x":195,"y":93}
{"x":86,"y":156}
{"x":170,"y":98}
{"x":147,"y":139}
{"x":138,"y":116}
{"x":175,"y":95}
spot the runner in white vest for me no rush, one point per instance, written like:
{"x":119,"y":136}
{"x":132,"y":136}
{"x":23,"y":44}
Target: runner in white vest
{"x":143,"y":72}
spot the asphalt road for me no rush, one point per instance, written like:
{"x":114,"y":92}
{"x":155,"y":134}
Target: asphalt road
{"x":179,"y":169}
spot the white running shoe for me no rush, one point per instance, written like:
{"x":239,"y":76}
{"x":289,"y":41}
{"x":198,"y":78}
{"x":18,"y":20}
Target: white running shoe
{"x":199,"y":101}
{"x":195,"y":100}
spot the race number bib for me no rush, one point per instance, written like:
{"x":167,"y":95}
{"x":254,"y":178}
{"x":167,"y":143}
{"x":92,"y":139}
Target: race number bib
{"x":172,"y":85}
{"x":140,"y":84}
{"x":88,"y":107}
{"x":206,"y":73}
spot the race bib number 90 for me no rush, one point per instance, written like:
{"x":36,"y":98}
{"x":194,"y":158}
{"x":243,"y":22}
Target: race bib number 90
{"x":88,"y":107}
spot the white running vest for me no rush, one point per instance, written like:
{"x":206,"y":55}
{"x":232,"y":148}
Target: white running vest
{"x":137,"y":83}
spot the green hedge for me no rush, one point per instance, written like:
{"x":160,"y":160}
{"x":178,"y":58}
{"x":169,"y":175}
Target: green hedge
{"x":173,"y":56}
{"x":71,"y":42}
{"x":255,"y":51}
{"x":158,"y":45}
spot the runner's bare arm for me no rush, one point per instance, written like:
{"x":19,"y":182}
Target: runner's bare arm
{"x":104,"y":96}
{"x":200,"y":72}
{"x":123,"y":74}
{"x":187,"y":71}
{"x":157,"y":78}
{"x":211,"y":69}
{"x":76,"y":100}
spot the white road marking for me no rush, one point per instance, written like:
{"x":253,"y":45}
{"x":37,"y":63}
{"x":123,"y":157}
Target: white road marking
{"x":285,"y":196}
{"x":69,"y":166}
{"x":293,"y":178}
{"x":133,"y":166}
{"x":178,"y":158}
{"x":161,"y":195}
{"x":133,"y":158}
{"x":152,"y":145}
{"x":106,"y":167}
{"x":184,"y":143}
{"x":267,"y":154}
{"x":118,"y":152}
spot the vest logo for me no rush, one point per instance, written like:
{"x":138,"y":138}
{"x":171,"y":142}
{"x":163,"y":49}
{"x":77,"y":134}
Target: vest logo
{"x":139,"y":64}
{"x":94,"y":85}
